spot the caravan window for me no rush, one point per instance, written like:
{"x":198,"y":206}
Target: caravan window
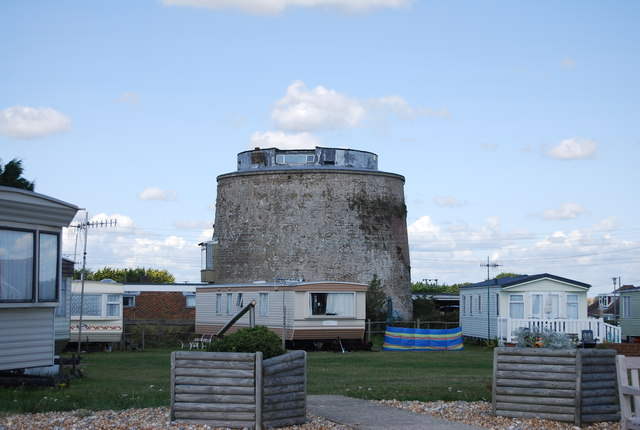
{"x":48,"y":268}
{"x":264,"y":304}
{"x":229,"y":303}
{"x":338,"y":304}
{"x":219,"y":304}
{"x":626,"y":307}
{"x":21,"y":261}
{"x":113,"y":305}
{"x":16,"y":265}
{"x":516,"y":306}
{"x":572,"y":306}
{"x":91,"y":305}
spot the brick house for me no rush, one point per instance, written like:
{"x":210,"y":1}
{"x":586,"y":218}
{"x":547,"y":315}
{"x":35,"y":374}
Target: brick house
{"x":159,"y":309}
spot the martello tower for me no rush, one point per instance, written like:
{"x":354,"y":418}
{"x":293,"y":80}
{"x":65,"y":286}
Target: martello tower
{"x":323,"y":214}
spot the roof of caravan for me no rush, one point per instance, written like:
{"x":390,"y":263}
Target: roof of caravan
{"x":287,"y":283}
{"x":159,"y":288}
{"x":24,"y":206}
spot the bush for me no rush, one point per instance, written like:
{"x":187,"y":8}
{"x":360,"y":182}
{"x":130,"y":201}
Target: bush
{"x":250,"y":339}
{"x":542,"y":338}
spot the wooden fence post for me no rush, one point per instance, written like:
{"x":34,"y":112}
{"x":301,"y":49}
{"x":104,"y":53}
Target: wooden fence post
{"x":259,"y":387}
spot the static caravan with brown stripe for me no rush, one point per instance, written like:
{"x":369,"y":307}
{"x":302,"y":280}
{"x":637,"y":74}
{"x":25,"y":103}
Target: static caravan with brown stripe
{"x":306,"y":312}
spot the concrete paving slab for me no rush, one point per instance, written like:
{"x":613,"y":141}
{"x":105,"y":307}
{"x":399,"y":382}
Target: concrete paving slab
{"x":366,"y":415}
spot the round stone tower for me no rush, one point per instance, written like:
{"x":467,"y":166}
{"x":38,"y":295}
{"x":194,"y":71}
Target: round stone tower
{"x":322,"y":214}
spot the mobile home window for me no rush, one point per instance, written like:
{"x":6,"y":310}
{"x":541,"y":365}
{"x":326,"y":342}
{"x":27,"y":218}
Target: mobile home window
{"x":190,"y":300}
{"x":479,"y":304}
{"x":16,"y":265}
{"x":229,"y":303}
{"x":264,"y":304}
{"x":338,"y":304}
{"x":572,"y":306}
{"x":219,"y":304}
{"x":239,"y":300}
{"x":536,"y":306}
{"x":516,"y":306}
{"x":128,"y":301}
{"x":48,"y":267}
{"x":91,"y":305}
{"x":113,"y":305}
{"x":626,"y":307}
{"x":497,"y":304}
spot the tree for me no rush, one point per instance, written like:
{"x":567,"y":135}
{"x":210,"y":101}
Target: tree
{"x":376,"y":301}
{"x":139,"y":274}
{"x":10,"y":176}
{"x":507,"y":275}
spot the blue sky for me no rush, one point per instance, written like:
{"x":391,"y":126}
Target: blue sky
{"x":515,"y":124}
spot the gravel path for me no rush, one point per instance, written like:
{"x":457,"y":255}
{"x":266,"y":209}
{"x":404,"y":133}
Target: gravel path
{"x":475,"y":413}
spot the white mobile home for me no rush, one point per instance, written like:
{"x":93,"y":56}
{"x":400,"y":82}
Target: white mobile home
{"x":101,"y":305}
{"x":30,"y":275}
{"x":494,"y":309}
{"x":303,"y":311}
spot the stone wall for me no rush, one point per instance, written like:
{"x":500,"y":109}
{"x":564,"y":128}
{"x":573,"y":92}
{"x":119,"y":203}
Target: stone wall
{"x":317,"y":224}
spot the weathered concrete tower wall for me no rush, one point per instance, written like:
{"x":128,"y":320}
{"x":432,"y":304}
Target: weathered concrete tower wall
{"x":320,"y":223}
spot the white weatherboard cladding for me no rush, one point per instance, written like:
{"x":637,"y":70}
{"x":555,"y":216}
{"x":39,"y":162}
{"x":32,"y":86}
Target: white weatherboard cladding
{"x":206,"y":308}
{"x":26,"y":338}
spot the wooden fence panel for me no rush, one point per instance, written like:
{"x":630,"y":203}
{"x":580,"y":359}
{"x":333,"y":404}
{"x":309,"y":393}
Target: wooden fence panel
{"x":285,"y":390}
{"x":214,"y":388}
{"x":575,"y":385}
{"x":238,"y":390}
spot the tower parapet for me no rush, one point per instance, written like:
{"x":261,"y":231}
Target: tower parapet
{"x":330,"y":158}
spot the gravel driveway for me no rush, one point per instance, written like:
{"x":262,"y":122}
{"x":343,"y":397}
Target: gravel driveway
{"x":474,"y":413}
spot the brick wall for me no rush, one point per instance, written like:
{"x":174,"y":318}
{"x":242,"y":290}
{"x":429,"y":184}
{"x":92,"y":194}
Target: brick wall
{"x":159,"y":306}
{"x":628,"y":349}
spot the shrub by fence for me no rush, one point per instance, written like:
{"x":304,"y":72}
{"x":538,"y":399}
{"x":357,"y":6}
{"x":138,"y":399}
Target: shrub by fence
{"x":237,"y":390}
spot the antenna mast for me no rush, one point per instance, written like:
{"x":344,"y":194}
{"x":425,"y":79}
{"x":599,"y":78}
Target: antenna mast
{"x":84,"y":226}
{"x":490,"y":266}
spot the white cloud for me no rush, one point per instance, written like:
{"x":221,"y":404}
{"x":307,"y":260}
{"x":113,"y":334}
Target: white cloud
{"x":24,"y":122}
{"x":575,"y":148}
{"x":563,"y":212}
{"x":447,"y":202}
{"x":317,"y":109}
{"x":281,"y":140}
{"x":455,"y":253}
{"x":424,"y":225}
{"x":321,"y":109}
{"x":130,"y":98}
{"x":157,"y":193}
{"x":490,"y":147}
{"x":568,"y":62}
{"x":128,"y":245}
{"x":274,"y":7}
{"x":440,"y":113}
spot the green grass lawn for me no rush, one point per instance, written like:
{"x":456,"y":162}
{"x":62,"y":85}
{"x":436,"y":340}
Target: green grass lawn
{"x":125,"y":379}
{"x":425,"y":376}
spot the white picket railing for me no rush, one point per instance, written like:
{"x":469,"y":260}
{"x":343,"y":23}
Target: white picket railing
{"x":602,"y":331}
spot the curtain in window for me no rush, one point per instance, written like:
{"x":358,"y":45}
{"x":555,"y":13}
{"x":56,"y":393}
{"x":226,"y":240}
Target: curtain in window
{"x":551,"y":307}
{"x":16,"y":265}
{"x":516,"y":306}
{"x":113,"y":305}
{"x":264,"y":304}
{"x":48,"y":267}
{"x":340,"y":304}
{"x":91,"y":305}
{"x":536,"y":306}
